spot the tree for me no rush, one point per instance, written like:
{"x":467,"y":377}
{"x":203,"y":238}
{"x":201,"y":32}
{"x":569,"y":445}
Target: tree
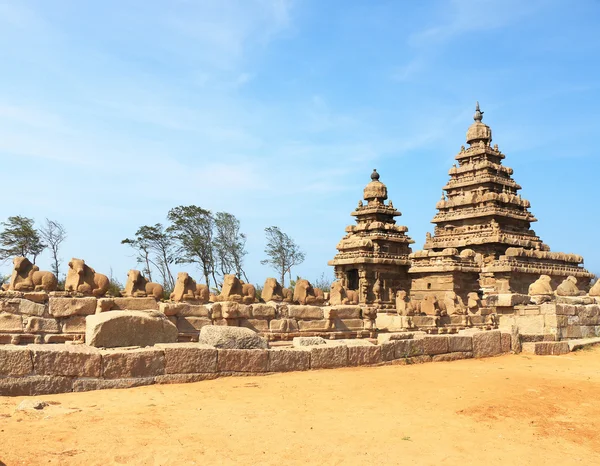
{"x":155,"y":247}
{"x":20,"y":238}
{"x":323,"y":282}
{"x":53,"y":233}
{"x":193,"y":227}
{"x":282,"y":252}
{"x":229,"y":244}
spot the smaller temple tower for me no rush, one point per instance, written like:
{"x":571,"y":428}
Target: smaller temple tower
{"x":373,"y":256}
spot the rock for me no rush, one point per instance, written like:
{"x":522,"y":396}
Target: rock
{"x":65,"y":307}
{"x":66,"y":360}
{"x":15,"y":361}
{"x":129,"y":328}
{"x":308,"y":341}
{"x":242,"y":360}
{"x":231,"y":337}
{"x":128,"y":363}
{"x":284,"y":360}
{"x":31,"y":404}
{"x":41,"y":325}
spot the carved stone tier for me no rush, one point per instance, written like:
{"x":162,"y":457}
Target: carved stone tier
{"x":373,"y":257}
{"x":481,"y":211}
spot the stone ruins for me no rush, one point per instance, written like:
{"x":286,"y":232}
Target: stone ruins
{"x":484,"y":284}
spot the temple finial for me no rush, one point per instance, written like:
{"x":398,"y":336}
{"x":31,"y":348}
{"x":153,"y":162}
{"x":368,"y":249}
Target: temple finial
{"x":375,"y":175}
{"x":478,"y":113}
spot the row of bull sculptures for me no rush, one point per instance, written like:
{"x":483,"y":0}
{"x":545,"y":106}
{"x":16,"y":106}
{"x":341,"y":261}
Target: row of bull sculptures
{"x":83,"y":280}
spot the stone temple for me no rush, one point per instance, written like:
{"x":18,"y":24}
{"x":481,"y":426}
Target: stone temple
{"x":373,"y":257}
{"x":482,"y":242}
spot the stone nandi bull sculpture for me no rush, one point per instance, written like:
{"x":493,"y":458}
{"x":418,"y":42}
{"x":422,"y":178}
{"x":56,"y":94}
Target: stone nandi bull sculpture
{"x":29,"y":277}
{"x":186,"y":289}
{"x":81,"y":278}
{"x":138,"y":286}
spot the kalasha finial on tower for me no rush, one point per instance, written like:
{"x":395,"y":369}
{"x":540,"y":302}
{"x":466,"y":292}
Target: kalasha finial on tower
{"x":375,"y":175}
{"x":478,"y":113}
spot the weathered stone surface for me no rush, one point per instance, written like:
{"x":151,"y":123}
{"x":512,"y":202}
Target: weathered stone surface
{"x":285,"y":360}
{"x":233,"y":310}
{"x":283,"y":325}
{"x":129,"y":304}
{"x":313,"y":325}
{"x":66,"y":360}
{"x":487,"y":344}
{"x":242,"y":360}
{"x":305,"y":312}
{"x":551,"y":347}
{"x":129,"y":328}
{"x":127,"y":363}
{"x":86,"y":385}
{"x":347,"y":312}
{"x":186,"y":358}
{"x":263,"y":311}
{"x":41,"y":325}
{"x":298,"y":342}
{"x":15,"y":361}
{"x":39,"y":297}
{"x":408,"y":348}
{"x":460,"y":343}
{"x":192,"y":324}
{"x":326,"y":357}
{"x":345,"y":325}
{"x":435,"y":344}
{"x":35,"y":385}
{"x":65,"y":307}
{"x":364,"y":355}
{"x":256,"y":325}
{"x":29,"y":308}
{"x":185,"y":378}
{"x":454,"y":356}
{"x":184,"y":309}
{"x":74,"y":324}
{"x":506,"y":342}
{"x":388,"y":350}
{"x":10,"y":323}
{"x":231,"y":337}
{"x":389,"y":322}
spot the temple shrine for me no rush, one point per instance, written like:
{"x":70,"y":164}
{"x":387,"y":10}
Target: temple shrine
{"x":373,"y":257}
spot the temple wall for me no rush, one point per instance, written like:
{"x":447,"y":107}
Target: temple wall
{"x":437,"y":284}
{"x":60,"y":319}
{"x":57,"y":368}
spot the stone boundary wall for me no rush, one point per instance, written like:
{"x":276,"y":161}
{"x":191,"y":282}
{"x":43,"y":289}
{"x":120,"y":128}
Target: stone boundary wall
{"x":57,"y":368}
{"x":553,"y":321}
{"x":39,"y":318}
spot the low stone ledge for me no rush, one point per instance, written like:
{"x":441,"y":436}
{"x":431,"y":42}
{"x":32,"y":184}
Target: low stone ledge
{"x":185,"y":309}
{"x":191,"y":324}
{"x":313,"y":325}
{"x":242,"y":360}
{"x":15,"y":361}
{"x":87,"y":385}
{"x":460,"y":343}
{"x":546,"y":348}
{"x":127,"y":363}
{"x":188,"y":358}
{"x":575,"y":345}
{"x":185,"y":378}
{"x":454,"y":356}
{"x":487,"y":344}
{"x":287,"y":360}
{"x":328,"y":357}
{"x":66,"y":360}
{"x":35,"y":385}
{"x":127,"y":304}
{"x":362,"y":355}
{"x":435,"y":344}
{"x":506,"y":342}
{"x":408,"y":348}
{"x":66,"y":307}
{"x":263,"y":311}
{"x":388,"y":350}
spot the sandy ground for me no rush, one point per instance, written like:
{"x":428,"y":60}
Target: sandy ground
{"x":506,"y":410}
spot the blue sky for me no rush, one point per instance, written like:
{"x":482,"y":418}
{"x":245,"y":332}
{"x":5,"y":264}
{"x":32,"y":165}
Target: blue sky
{"x":113,"y":112}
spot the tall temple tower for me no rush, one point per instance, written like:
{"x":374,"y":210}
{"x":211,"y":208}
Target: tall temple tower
{"x":482,"y":237}
{"x":373,"y":257}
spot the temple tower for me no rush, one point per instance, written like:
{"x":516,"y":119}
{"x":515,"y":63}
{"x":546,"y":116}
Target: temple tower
{"x":482,"y":237}
{"x":373,"y":257}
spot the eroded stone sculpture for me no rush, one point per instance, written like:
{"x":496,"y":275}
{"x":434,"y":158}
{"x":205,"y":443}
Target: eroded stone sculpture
{"x":542,"y":286}
{"x":29,"y":277}
{"x":186,"y":289}
{"x":272,"y":290}
{"x":568,"y":287}
{"x":304,"y":293}
{"x":81,"y":278}
{"x":237,"y":291}
{"x":595,"y":290}
{"x":137,"y":286}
